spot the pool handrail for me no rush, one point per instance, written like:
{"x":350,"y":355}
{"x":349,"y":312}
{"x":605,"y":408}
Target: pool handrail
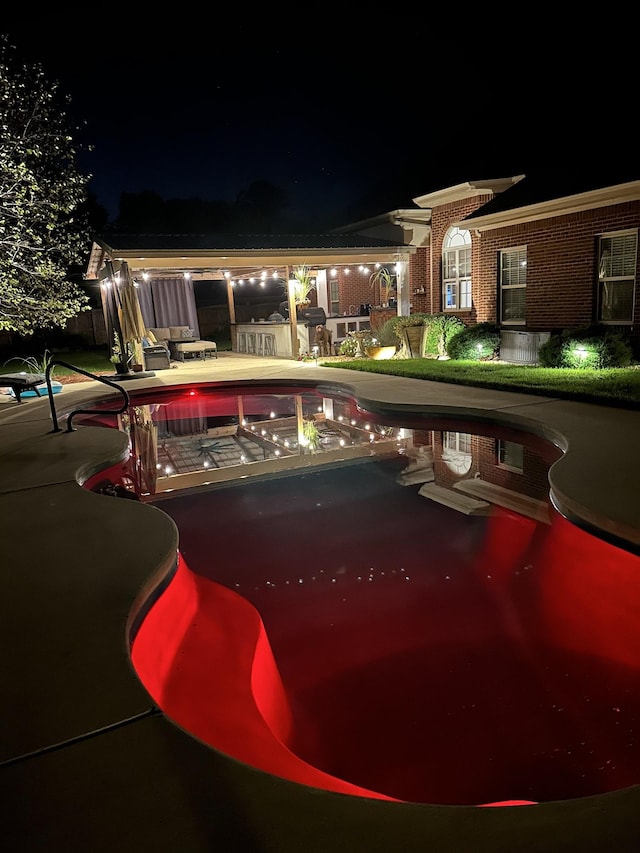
{"x":104,"y":380}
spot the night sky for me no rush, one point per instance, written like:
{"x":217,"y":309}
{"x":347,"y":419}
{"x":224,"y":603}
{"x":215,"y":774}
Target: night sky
{"x":350,"y":119}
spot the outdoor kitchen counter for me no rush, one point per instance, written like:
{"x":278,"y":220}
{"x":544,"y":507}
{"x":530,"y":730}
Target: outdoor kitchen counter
{"x":271,"y":339}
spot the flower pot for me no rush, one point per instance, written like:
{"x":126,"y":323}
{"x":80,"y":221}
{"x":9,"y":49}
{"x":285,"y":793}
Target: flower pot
{"x":415,"y":339}
{"x":380,"y":353}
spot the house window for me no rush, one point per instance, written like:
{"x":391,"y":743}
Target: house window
{"x":456,"y":451}
{"x":510,"y":455}
{"x":456,"y":270}
{"x":513,"y":284}
{"x":334,"y":297}
{"x":617,"y":254}
{"x":457,"y":441}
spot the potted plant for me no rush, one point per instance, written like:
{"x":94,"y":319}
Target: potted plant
{"x":310,"y":438}
{"x":383,"y":343}
{"x":412,"y":332}
{"x":120,"y":357}
{"x":303,"y":284}
{"x":386,"y":283}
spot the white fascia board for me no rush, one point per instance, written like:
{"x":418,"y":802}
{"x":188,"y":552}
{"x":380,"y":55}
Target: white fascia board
{"x":605,"y":197}
{"x":464,"y":191}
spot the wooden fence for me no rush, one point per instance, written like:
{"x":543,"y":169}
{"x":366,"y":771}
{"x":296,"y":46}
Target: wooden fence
{"x":88,"y":328}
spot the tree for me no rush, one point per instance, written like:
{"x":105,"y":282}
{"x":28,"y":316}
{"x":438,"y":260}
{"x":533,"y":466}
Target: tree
{"x":260,"y":206}
{"x":43,"y":230}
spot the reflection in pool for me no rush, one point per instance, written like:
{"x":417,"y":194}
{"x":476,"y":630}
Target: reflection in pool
{"x":391,"y":610}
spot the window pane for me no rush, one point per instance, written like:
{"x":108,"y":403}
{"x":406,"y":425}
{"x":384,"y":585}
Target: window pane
{"x":449,"y":264}
{"x":464,"y":262}
{"x":618,"y":256}
{"x":511,"y":454}
{"x":450,"y":296}
{"x":513,"y":302}
{"x":616,"y":301}
{"x":334,"y":296}
{"x":456,"y":275}
{"x":513,"y":266}
{"x":457,"y":441}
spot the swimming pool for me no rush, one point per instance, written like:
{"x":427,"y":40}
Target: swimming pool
{"x":392,"y":610}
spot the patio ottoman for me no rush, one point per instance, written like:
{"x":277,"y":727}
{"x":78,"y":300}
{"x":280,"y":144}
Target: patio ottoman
{"x":205,"y":349}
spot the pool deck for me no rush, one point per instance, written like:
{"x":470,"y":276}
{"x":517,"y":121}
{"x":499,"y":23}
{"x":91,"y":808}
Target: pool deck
{"x":91,"y":765}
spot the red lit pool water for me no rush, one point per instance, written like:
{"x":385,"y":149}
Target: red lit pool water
{"x":359,"y":624}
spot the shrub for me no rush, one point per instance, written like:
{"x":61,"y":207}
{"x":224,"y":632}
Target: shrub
{"x":441,"y":329}
{"x":476,"y":342}
{"x":590,"y":348}
{"x":550,"y":352}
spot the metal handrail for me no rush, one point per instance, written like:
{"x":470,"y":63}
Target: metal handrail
{"x":54,"y":415}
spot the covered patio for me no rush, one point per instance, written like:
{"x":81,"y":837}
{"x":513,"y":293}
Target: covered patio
{"x":164,"y":268}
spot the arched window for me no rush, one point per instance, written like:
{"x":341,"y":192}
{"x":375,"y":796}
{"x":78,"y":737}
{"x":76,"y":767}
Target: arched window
{"x":456,"y":451}
{"x":456,"y":270}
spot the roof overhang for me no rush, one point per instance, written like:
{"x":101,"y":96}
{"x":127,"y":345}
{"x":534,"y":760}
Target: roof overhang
{"x":391,"y":217}
{"x":213,"y":263}
{"x":461,"y":192}
{"x":605,"y":197}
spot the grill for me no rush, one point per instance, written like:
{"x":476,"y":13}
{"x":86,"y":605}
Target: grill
{"x":311,"y":316}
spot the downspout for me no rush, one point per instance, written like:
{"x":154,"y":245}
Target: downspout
{"x":431,"y":271}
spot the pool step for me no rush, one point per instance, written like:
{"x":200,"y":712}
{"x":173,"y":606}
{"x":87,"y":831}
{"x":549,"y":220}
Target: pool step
{"x":419,"y":470}
{"x":419,"y":475}
{"x":455,"y":500}
{"x":507,"y":498}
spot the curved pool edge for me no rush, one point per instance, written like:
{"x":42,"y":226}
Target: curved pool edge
{"x":133,"y":780}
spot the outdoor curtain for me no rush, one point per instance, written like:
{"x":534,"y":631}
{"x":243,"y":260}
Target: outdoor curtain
{"x":168,"y":302}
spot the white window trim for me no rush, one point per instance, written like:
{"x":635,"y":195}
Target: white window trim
{"x":455,"y":241}
{"x":500,"y":446}
{"x":501,"y":252}
{"x":607,"y":235}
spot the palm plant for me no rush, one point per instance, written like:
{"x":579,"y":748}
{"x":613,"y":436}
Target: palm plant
{"x":303,"y":284}
{"x":34,"y":364}
{"x":385,"y":281}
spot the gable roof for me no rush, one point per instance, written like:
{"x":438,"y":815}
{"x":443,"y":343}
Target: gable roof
{"x":540,"y":195}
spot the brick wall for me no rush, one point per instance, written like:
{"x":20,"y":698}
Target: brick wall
{"x":441,"y":219}
{"x":420,"y":281}
{"x":532,"y":481}
{"x":561,"y":265}
{"x":355,"y":289}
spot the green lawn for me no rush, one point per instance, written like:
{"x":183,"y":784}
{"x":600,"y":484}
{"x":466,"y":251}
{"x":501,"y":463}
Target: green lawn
{"x":93,"y":361}
{"x":615,"y":387}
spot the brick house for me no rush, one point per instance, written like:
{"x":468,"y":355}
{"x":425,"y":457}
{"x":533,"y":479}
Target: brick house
{"x":534,"y":254}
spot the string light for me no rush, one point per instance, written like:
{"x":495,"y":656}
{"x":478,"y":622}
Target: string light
{"x":262,"y":276}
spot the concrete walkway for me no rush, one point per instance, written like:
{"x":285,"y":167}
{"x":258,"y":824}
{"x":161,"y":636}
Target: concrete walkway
{"x":89,"y":763}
